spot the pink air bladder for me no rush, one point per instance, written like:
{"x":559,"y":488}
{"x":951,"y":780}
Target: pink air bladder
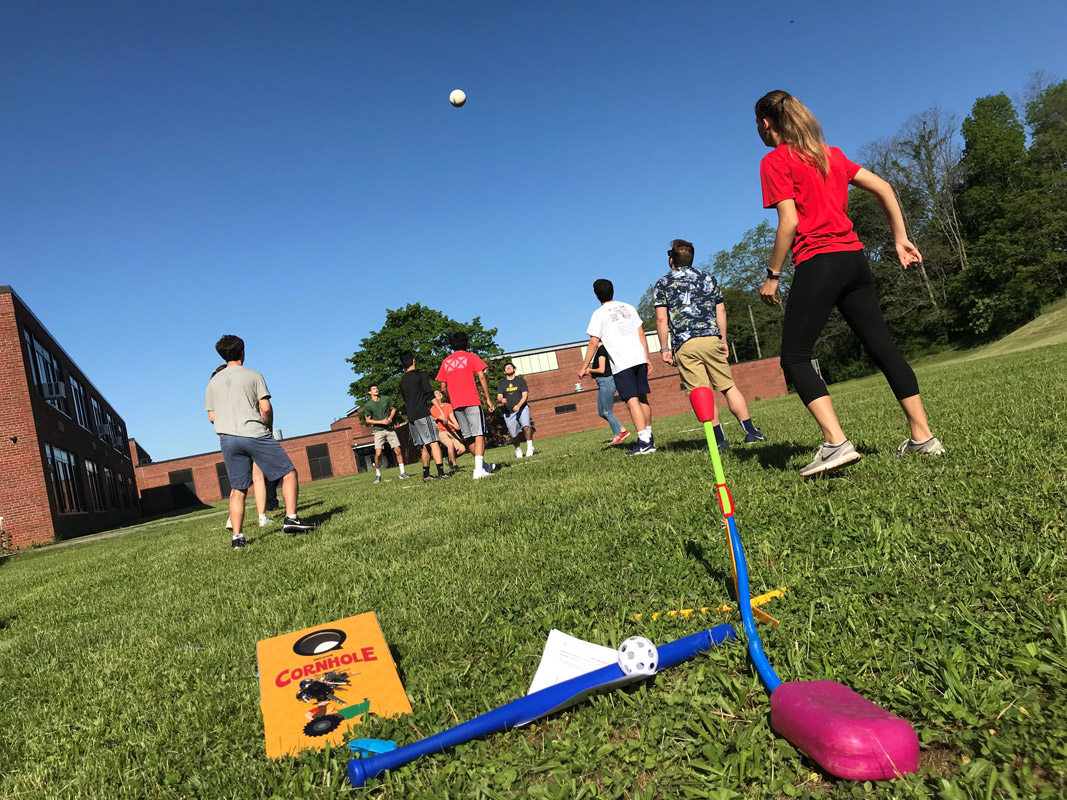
{"x":843,"y":732}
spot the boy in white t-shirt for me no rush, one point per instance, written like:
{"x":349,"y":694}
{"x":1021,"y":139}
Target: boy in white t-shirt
{"x":617,"y":326}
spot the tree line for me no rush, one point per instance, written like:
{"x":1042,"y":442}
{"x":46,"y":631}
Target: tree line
{"x":985,"y":201}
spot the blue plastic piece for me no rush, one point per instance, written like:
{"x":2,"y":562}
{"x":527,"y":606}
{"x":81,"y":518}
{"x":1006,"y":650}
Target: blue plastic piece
{"x":744,"y":600}
{"x":370,"y":747}
{"x":533,"y":706}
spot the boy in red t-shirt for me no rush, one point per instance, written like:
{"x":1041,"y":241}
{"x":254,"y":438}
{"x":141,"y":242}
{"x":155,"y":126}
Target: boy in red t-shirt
{"x":457,"y":373}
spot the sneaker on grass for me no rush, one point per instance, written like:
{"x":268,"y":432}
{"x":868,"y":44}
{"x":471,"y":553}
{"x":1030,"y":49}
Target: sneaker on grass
{"x":238,"y":542}
{"x":831,"y":457}
{"x":296,"y":525}
{"x":264,"y":520}
{"x":620,"y":437}
{"x":518,"y":452}
{"x":272,"y":505}
{"x":723,"y":446}
{"x":431,"y":478}
{"x":404,"y":475}
{"x":931,"y":447}
{"x":641,"y":448}
{"x":377,"y":478}
{"x":754,"y":436}
{"x":229,"y":524}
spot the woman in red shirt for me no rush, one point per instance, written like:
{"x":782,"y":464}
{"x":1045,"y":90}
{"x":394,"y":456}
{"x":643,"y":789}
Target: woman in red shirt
{"x":807,"y":182}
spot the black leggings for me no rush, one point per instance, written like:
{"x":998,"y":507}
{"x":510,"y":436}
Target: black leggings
{"x":841,"y":279}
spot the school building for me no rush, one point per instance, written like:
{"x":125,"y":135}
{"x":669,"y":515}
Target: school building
{"x":65,"y":469}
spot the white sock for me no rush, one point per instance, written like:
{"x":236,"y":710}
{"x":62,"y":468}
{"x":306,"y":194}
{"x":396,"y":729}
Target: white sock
{"x":479,"y":462}
{"x":377,"y":472}
{"x":648,"y":431}
{"x":529,"y":447}
{"x":401,"y":467}
{"x":644,"y":436}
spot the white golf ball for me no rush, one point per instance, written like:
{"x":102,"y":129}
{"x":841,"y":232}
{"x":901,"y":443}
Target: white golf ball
{"x":457,"y":98}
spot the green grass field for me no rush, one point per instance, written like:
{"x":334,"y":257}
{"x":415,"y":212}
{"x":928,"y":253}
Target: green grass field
{"x":934,"y":587}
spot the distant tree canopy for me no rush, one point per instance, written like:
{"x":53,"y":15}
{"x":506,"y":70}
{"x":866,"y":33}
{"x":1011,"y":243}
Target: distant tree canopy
{"x":422,"y":330}
{"x":987,"y":211}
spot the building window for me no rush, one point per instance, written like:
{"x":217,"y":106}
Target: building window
{"x":319,"y":461}
{"x":568,"y":409}
{"x":77,"y":396}
{"x":46,"y":373}
{"x":96,"y":488}
{"x":110,"y":489}
{"x":113,"y":436}
{"x":98,"y":416}
{"x":224,"y":479}
{"x":64,"y":469}
{"x":531,"y":365}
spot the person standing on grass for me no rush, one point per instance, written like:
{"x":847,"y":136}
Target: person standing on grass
{"x":600,"y":368}
{"x":689,"y":304}
{"x":238,"y":404}
{"x":447,"y":429}
{"x":457,"y":373}
{"x":418,"y":395}
{"x":379,"y":411}
{"x":618,"y":326}
{"x":513,"y":393}
{"x":807,"y":182}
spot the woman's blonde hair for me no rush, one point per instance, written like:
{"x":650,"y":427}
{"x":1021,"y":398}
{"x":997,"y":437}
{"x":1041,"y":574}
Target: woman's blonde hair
{"x":797,"y":126}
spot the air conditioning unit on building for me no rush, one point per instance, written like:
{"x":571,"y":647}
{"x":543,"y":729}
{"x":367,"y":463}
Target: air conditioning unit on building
{"x":53,"y":391}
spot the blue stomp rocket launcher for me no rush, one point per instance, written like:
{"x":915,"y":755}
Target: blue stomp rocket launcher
{"x":843,"y":732}
{"x":546,"y":701}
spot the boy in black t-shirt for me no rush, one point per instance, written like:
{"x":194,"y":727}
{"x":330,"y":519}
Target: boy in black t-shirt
{"x":418,"y":397}
{"x":513,"y":393}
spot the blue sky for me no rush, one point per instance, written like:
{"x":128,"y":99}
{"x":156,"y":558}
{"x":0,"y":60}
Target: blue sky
{"x":173,"y":171}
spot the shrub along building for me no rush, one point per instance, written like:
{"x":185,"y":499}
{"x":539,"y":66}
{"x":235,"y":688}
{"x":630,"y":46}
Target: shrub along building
{"x":65,"y":469}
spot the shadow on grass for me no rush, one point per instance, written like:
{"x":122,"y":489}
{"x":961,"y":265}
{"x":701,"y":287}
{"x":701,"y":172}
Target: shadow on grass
{"x":774,"y":455}
{"x":696,"y":551}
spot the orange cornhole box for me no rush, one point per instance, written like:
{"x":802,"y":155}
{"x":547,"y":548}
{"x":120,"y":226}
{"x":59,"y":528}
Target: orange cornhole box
{"x":317,"y":684}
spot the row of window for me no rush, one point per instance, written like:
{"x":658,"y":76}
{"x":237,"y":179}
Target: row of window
{"x":318,"y":462}
{"x":106,"y":488}
{"x":51,"y":386}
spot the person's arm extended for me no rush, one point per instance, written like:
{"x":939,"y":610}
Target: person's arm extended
{"x":485,"y":390}
{"x":267,"y":412}
{"x":887,"y":199}
{"x":720,"y":319}
{"x":661,"y":329}
{"x":644,"y":344}
{"x":783,"y":240}
{"x":590,"y":350}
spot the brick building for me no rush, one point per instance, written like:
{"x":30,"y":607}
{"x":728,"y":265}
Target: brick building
{"x":561,"y":403}
{"x":65,"y":469}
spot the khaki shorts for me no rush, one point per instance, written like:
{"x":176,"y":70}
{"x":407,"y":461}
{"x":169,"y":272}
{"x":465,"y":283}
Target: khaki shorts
{"x":383,"y":437}
{"x":447,"y":438}
{"x":701,"y":362}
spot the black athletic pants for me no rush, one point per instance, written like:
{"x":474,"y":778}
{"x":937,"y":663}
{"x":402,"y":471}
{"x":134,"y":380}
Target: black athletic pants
{"x":841,"y":279}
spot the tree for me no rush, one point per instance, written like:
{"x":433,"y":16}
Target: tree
{"x":422,"y":330}
{"x":744,"y":266}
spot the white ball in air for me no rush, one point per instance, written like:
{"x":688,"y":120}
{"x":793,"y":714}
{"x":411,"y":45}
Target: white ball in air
{"x":457,"y":98}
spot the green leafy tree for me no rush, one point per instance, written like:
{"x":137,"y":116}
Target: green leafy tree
{"x":422,"y":330}
{"x":1046,"y":117}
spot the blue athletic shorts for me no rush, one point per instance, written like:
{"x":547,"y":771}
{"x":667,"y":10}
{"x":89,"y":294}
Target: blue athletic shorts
{"x":517,"y":421}
{"x":239,"y":452}
{"x":632,"y":382}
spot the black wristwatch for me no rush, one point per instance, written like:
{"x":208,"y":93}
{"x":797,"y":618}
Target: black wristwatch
{"x":771,"y":274}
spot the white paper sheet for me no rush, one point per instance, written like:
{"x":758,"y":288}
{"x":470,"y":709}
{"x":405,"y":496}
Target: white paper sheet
{"x":567,"y":657}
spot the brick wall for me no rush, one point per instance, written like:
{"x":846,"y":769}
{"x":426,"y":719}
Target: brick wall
{"x":23,"y":488}
{"x":205,"y":476}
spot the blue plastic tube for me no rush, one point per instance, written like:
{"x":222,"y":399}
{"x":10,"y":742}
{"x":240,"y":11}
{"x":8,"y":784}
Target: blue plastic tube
{"x":533,"y":706}
{"x":744,"y":600}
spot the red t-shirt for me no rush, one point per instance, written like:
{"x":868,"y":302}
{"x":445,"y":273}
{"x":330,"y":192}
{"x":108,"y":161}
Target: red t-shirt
{"x":458,"y":372}
{"x":822,"y":202}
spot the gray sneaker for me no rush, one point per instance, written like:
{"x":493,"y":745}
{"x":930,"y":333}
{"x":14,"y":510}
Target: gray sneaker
{"x":931,"y":447}
{"x":377,"y":478}
{"x":829,"y":458}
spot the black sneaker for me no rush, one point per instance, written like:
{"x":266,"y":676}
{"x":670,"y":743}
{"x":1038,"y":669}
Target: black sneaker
{"x":723,"y":446}
{"x":444,"y":476}
{"x":754,"y":435}
{"x":238,"y":541}
{"x":377,"y":478}
{"x":296,"y":525}
{"x":272,"y":505}
{"x":430,"y":478}
{"x":641,"y":449}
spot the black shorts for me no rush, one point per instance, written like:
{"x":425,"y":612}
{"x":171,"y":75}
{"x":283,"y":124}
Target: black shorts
{"x":632,"y":381}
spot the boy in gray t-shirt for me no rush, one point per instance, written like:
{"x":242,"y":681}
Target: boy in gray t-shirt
{"x":238,"y":404}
